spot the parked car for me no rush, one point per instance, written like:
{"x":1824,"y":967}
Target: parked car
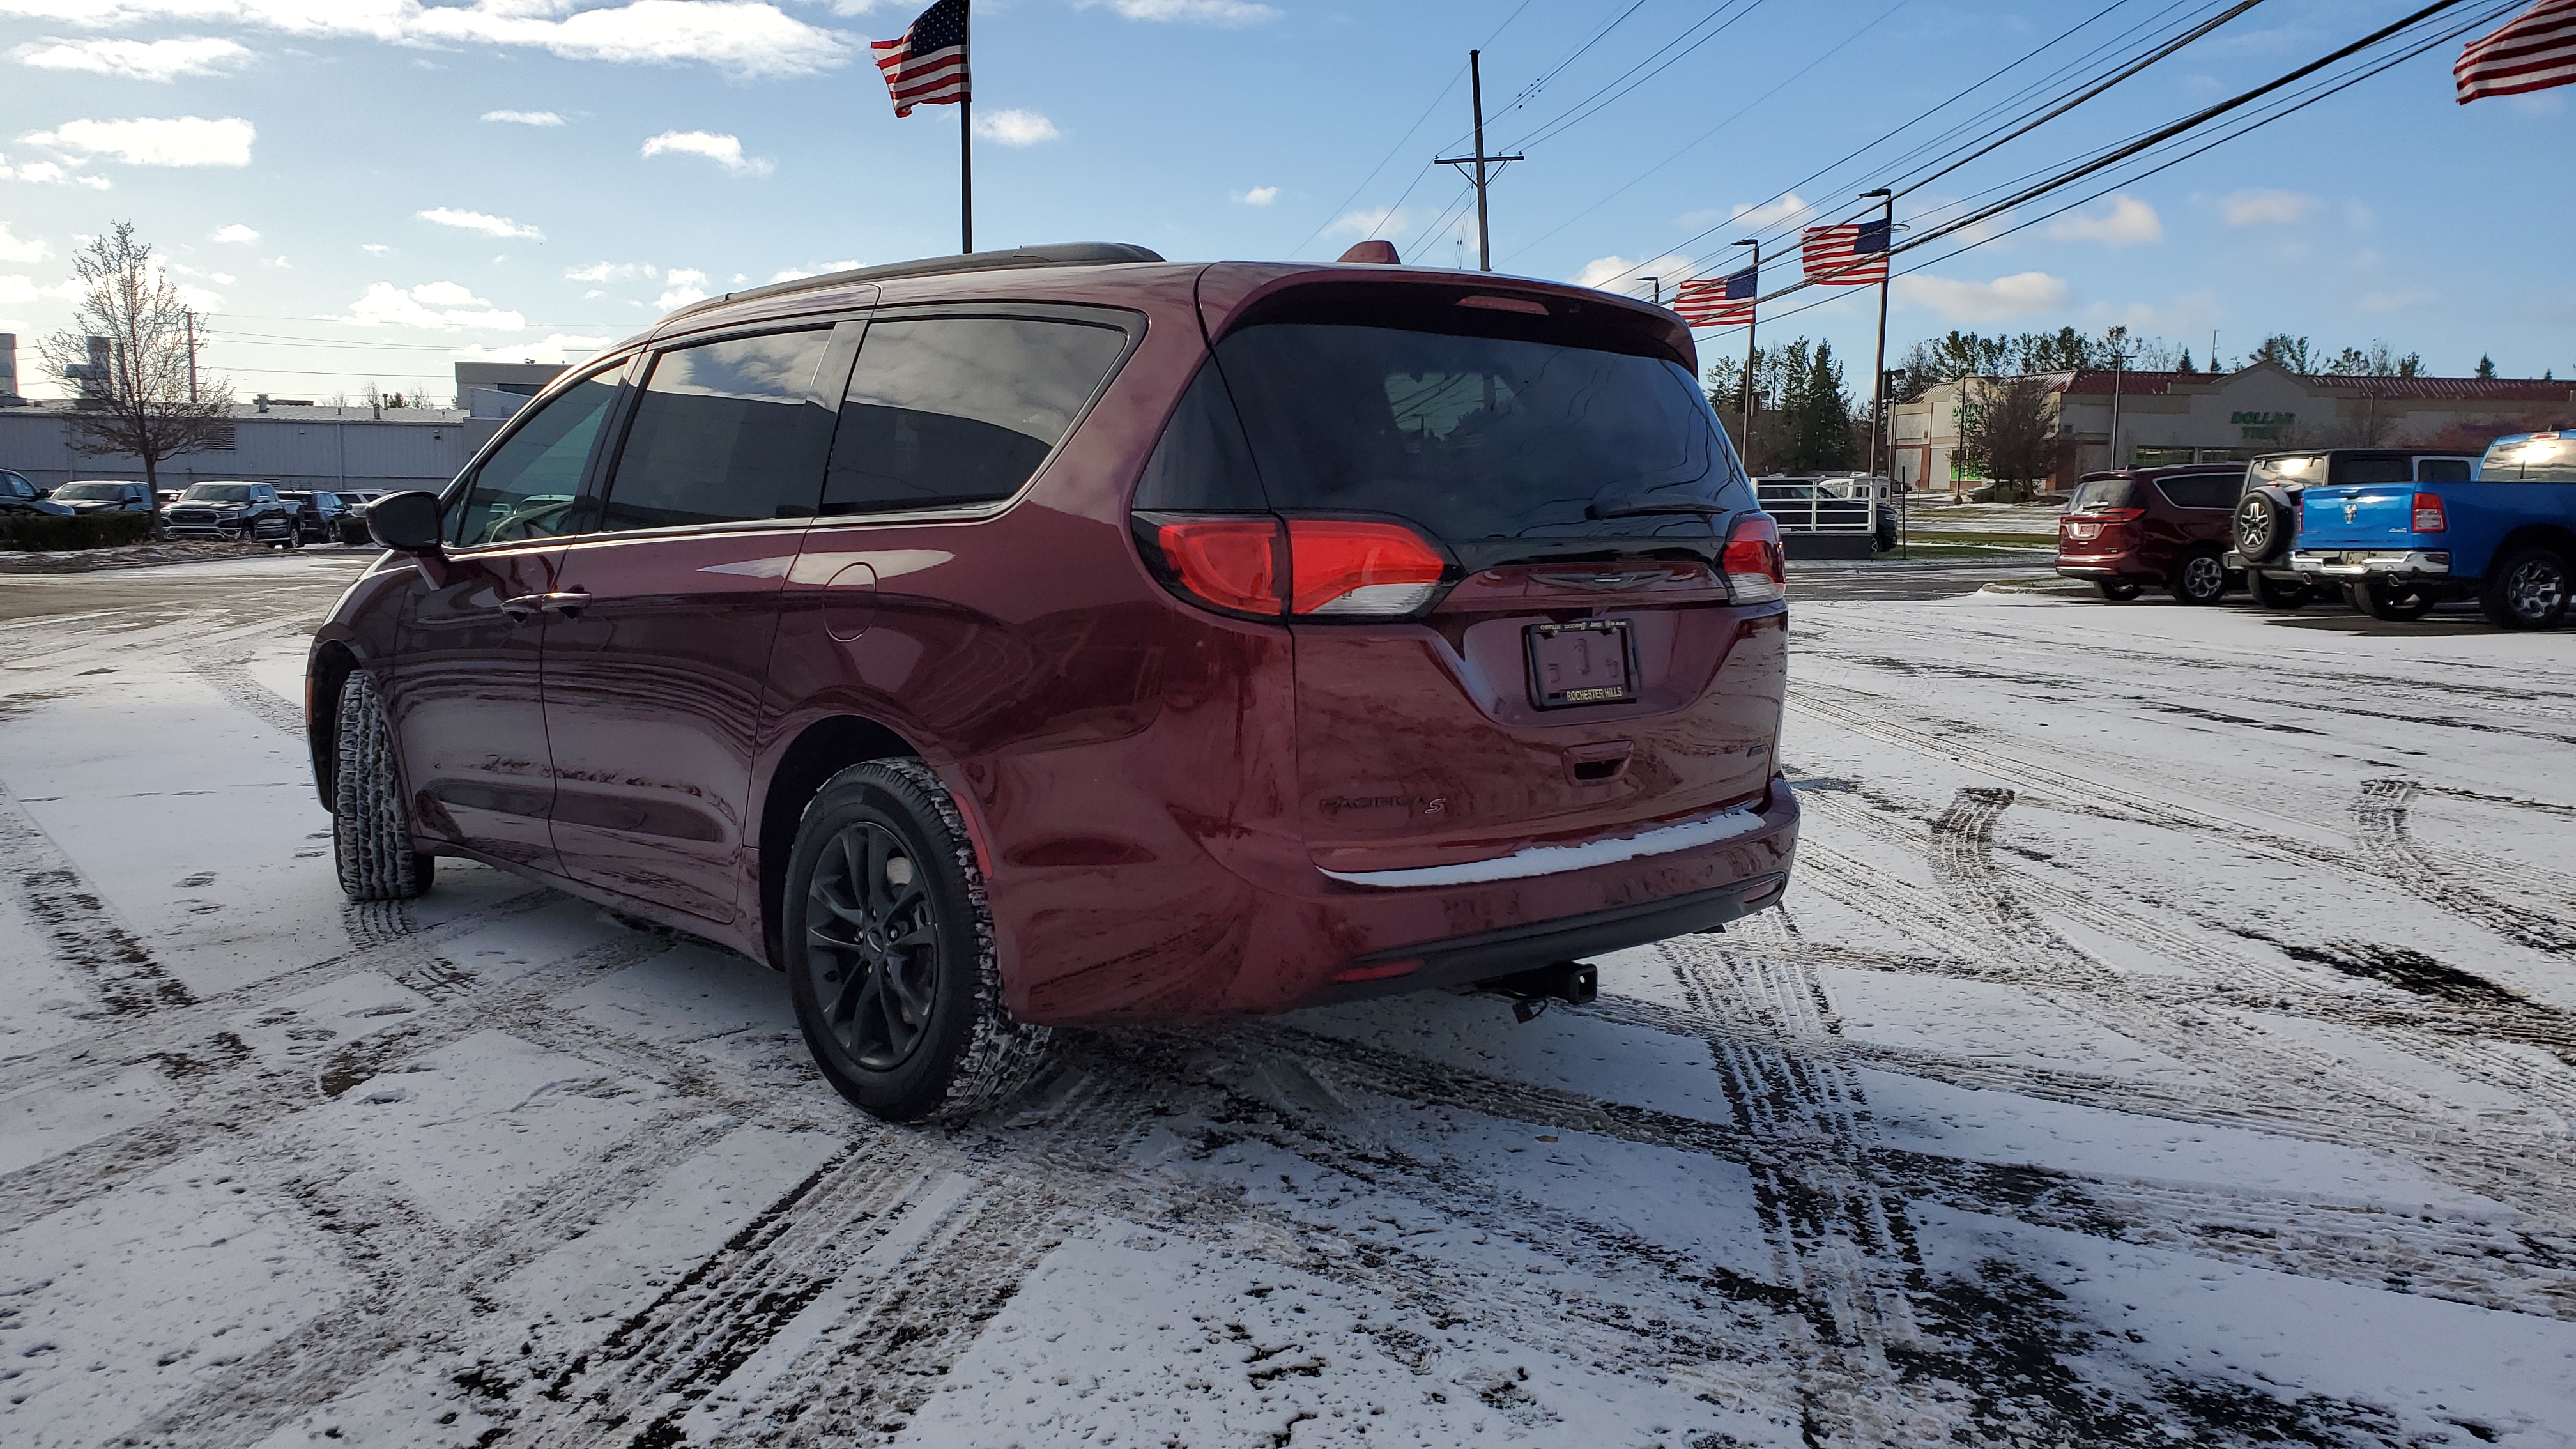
{"x":2506,"y":537}
{"x":1094,"y":639}
{"x":2139,"y":528}
{"x":245,"y":512}
{"x":17,"y":495}
{"x":2267,"y":516}
{"x":94,"y":496}
{"x":318,"y":515}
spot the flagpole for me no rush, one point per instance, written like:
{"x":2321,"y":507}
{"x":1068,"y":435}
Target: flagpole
{"x":1878,"y":372}
{"x":966,"y":172}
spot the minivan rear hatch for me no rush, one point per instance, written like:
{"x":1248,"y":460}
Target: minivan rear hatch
{"x":1587,"y":670}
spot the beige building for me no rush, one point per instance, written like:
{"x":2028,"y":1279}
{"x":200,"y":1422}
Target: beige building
{"x":2180,"y":417}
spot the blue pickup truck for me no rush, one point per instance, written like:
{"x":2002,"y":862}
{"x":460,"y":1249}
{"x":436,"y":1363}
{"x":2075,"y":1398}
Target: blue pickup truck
{"x":2506,"y":537}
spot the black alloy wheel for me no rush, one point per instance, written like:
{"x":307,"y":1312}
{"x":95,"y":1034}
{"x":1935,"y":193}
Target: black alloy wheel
{"x":2201,"y":578}
{"x":2271,"y":593}
{"x":888,"y":946}
{"x":2117,"y":591}
{"x":2527,"y":589}
{"x":2397,"y":603}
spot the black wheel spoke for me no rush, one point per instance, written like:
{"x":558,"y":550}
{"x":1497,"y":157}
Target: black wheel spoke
{"x":872,"y":945}
{"x":873,"y":891}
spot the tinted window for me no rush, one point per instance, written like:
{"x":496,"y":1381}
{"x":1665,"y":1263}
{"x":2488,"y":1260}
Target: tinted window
{"x":2097,"y":494}
{"x":2303,"y":468}
{"x":2374,"y":468}
{"x":2206,"y":490}
{"x":2442,"y":470}
{"x":16,"y":487}
{"x":527,"y":487}
{"x":90,"y":492}
{"x":951,"y":410}
{"x":1480,"y":437}
{"x":1202,"y":464}
{"x":724,"y":432}
{"x":2542,"y":458}
{"x":217,"y":493}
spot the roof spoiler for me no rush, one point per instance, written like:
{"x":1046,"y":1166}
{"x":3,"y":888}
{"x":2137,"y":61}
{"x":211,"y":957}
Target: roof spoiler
{"x":1060,"y":254}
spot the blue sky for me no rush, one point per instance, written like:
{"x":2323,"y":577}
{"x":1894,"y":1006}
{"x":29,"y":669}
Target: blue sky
{"x":364,"y":190}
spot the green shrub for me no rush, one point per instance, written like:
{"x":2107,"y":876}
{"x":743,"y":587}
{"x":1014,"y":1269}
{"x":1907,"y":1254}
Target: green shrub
{"x":45,"y":533}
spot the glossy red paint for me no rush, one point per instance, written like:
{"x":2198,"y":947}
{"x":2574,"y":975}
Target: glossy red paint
{"x":1181,"y":815}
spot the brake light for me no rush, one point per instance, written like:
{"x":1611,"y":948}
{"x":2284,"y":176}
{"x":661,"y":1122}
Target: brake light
{"x":2428,"y":513}
{"x":2121,"y":515}
{"x":1757,"y":571}
{"x":1352,"y":568}
{"x":1232,"y":563}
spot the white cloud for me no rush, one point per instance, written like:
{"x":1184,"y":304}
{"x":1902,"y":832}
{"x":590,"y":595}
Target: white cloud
{"x":2397,"y":301}
{"x":611,"y":272}
{"x":2130,"y":222}
{"x":476,"y":221}
{"x":18,"y":289}
{"x":1670,"y":270}
{"x":686,"y":285}
{"x":148,"y":141}
{"x":2018,"y":295}
{"x":436,"y":306}
{"x":724,"y":150}
{"x":747,"y":37}
{"x":38,"y":171}
{"x":375,"y":249}
{"x":236,"y":232}
{"x":220,"y":279}
{"x":2275,"y":208}
{"x":556,"y":348}
{"x":14,"y":250}
{"x":1016,"y":128}
{"x":525,"y":118}
{"x":798,"y":274}
{"x":1790,"y":207}
{"x":146,"y":60}
{"x":1258,"y":196}
{"x":1379,"y":221}
{"x":1199,"y":12}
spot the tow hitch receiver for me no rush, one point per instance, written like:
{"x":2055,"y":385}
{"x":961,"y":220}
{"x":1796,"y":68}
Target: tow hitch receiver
{"x":1573,"y":982}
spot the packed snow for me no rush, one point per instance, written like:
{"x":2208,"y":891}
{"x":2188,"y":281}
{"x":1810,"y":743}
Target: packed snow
{"x":2169,"y":1039}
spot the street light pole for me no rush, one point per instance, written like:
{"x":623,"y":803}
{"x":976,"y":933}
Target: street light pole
{"x":1656,"y":286}
{"x":1878,"y":370}
{"x":1750,"y":324}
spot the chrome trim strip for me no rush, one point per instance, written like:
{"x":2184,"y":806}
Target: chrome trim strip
{"x":1556,"y":859}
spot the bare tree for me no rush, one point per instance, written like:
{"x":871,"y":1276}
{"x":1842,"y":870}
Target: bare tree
{"x":139,"y":398}
{"x":2012,"y":432}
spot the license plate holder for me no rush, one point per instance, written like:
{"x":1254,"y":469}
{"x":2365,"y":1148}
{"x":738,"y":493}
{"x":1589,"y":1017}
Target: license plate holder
{"x":1584,"y":662}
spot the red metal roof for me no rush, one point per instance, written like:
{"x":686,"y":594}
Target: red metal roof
{"x":2500,"y":390}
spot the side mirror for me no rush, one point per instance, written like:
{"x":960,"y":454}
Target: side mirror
{"x":405,"y":522}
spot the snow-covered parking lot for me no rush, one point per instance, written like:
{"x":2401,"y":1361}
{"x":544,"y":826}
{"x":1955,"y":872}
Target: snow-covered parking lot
{"x":2170,"y":1039}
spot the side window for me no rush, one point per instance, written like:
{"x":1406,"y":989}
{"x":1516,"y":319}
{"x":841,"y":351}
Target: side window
{"x":2441,"y":470}
{"x":723,"y":432}
{"x":1202,"y":464}
{"x":2374,"y":468}
{"x":16,"y":487}
{"x":526,"y":489}
{"x":951,"y":410}
{"x":2205,"y":491}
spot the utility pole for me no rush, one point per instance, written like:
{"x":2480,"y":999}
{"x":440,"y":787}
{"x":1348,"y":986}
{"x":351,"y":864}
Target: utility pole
{"x":192,"y":355}
{"x":2119,"y":361}
{"x":1878,"y":371}
{"x":1479,"y":161}
{"x":1750,"y":322}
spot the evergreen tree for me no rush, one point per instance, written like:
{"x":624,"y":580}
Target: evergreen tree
{"x":1821,"y":413}
{"x":2486,"y":367}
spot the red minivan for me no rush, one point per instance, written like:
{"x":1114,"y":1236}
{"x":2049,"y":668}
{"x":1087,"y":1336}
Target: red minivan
{"x":1067,"y":636}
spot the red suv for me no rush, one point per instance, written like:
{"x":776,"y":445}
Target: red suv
{"x":2166,"y":527}
{"x":1067,"y":636}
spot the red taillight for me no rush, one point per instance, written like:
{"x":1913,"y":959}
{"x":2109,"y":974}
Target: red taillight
{"x":2428,"y":513}
{"x":1351,"y":568}
{"x":2121,"y":515}
{"x":1232,"y":563}
{"x":1757,"y":572}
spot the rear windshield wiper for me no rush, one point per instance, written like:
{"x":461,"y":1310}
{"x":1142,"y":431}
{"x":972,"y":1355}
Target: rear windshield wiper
{"x":1641,"y":507}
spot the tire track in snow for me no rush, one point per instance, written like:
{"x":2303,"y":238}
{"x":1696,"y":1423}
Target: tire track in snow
{"x":2380,"y":825}
{"x":88,"y":934}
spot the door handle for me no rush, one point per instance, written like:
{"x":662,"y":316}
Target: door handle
{"x":568,"y":603}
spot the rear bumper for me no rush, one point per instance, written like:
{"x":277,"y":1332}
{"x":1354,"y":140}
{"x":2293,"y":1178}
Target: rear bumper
{"x":2101,"y":569}
{"x":2353,"y":563}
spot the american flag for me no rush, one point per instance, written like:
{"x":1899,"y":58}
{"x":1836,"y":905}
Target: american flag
{"x":926,"y":65}
{"x":2534,"y":51}
{"x":1724,"y":302}
{"x":1850,"y":255}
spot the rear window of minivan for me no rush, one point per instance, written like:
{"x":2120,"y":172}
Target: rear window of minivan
{"x":1479,"y":434}
{"x":2097,"y":495}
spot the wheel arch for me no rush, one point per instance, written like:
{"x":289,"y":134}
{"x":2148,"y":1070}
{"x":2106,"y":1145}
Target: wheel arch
{"x":330,"y":667}
{"x":2549,"y":535}
{"x":823,"y":748}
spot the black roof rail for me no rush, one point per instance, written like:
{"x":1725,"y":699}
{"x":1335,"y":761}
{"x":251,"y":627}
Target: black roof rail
{"x":1059,"y":254}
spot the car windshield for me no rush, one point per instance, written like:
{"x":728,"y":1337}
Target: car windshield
{"x":2540,"y":458}
{"x":216,"y":493}
{"x":2302,"y":468}
{"x":1476,"y":437}
{"x":90,"y":492}
{"x":2096,"y":495}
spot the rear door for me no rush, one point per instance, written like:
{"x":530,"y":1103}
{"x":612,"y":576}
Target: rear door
{"x":657,"y":657}
{"x":2368,"y":503}
{"x":1588,"y":673}
{"x":2203,"y":505}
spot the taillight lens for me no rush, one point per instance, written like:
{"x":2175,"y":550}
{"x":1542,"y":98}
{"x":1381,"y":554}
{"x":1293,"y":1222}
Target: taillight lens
{"x":2428,"y":513}
{"x":1232,"y":563}
{"x":1354,"y":569}
{"x":1757,"y":572}
{"x":1331,"y":568}
{"x":2121,"y":515}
